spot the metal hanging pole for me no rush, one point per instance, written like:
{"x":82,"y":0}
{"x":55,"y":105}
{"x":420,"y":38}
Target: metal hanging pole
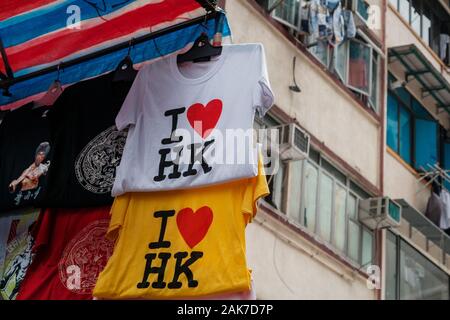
{"x":6,"y":83}
{"x":8,"y":69}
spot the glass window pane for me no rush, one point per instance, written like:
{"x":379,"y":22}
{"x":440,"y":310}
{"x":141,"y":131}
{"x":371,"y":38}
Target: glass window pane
{"x":325,"y":209}
{"x":359,"y":67}
{"x":403,"y":8}
{"x":392,"y":123}
{"x":363,"y":9}
{"x":339,"y":217}
{"x":391,"y":266}
{"x":332,"y":170}
{"x":295,"y":189}
{"x":426,"y":23}
{"x":394,"y":3}
{"x":319,"y":50}
{"x":367,"y":247}
{"x":311,"y":182}
{"x":405,"y":135}
{"x":353,"y":241}
{"x":404,"y":95}
{"x":278,"y":187}
{"x":288,"y":11}
{"x":419,"y":278}
{"x":426,"y":143}
{"x":351,"y":207}
{"x":415,"y":16}
{"x":341,"y":60}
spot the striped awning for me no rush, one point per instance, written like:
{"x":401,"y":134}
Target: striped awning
{"x":37,"y":34}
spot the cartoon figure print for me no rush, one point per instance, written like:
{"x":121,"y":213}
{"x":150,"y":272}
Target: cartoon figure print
{"x":29,"y":179}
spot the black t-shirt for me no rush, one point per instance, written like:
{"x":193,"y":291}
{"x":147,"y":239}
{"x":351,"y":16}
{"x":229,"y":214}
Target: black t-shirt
{"x":25,"y":156}
{"x":87,"y":147}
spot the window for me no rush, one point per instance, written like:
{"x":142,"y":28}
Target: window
{"x":416,"y":9}
{"x":362,"y":8}
{"x":353,"y":228}
{"x":429,"y":21}
{"x":411,"y":276}
{"x":325,"y":206}
{"x":411,"y":131}
{"x":287,"y":12}
{"x":405,"y":134}
{"x":354,"y":62}
{"x":403,"y":8}
{"x":325,"y":202}
{"x":367,"y":247}
{"x":391,"y":267}
{"x":359,"y":70}
{"x":340,"y":197}
{"x":374,"y":93}
{"x":311,"y":184}
{"x":342,"y":61}
{"x":276,"y":182}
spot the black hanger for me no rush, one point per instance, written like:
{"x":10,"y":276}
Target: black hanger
{"x":52,"y":94}
{"x":201,"y":51}
{"x":125,"y":70}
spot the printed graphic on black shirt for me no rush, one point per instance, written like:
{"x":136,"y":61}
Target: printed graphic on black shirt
{"x":26,"y":187}
{"x":95,"y":166}
{"x":26,"y":152}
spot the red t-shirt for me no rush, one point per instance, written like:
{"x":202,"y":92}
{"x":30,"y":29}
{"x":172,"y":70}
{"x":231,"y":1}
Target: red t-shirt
{"x":70,"y":251}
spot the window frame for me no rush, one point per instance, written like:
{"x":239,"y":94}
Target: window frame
{"x":349,"y":192}
{"x":368,"y":94}
{"x":355,"y":5}
{"x":431,"y":40}
{"x":281,"y":20}
{"x":375,"y":104}
{"x":400,"y":242}
{"x":408,"y":107}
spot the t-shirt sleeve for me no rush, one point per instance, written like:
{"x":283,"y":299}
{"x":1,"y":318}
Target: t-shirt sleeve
{"x":263,"y":97}
{"x":118,"y":213}
{"x":133,"y":104}
{"x":257,"y":188}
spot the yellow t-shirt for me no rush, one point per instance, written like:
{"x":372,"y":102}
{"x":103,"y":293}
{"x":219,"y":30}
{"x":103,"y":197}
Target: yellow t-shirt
{"x":179,"y":244}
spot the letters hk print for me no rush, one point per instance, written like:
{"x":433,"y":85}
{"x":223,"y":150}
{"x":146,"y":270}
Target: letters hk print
{"x":203,"y":118}
{"x":193,"y":227}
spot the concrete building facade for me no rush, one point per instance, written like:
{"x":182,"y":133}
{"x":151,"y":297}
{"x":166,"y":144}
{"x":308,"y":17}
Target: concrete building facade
{"x":375,"y":107}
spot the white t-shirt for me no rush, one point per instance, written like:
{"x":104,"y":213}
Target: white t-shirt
{"x":191,"y":125}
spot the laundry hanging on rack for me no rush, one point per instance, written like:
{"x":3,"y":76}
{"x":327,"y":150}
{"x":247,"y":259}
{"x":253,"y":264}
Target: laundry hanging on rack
{"x":435,"y":208}
{"x":326,"y":20}
{"x":444,"y":220}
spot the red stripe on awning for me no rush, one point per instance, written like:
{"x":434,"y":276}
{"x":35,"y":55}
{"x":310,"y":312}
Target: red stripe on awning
{"x":55,"y":47}
{"x":11,"y":8}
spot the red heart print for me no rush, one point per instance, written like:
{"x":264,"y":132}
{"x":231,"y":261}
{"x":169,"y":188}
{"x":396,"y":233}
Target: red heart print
{"x":204,"y":118}
{"x":194,"y":226}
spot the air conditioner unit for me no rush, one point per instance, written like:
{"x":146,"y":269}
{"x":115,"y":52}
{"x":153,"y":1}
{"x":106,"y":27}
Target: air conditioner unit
{"x":293,"y":142}
{"x":376,"y":213}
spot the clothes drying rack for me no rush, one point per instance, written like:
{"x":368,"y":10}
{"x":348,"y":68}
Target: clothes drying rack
{"x":433,"y":173}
